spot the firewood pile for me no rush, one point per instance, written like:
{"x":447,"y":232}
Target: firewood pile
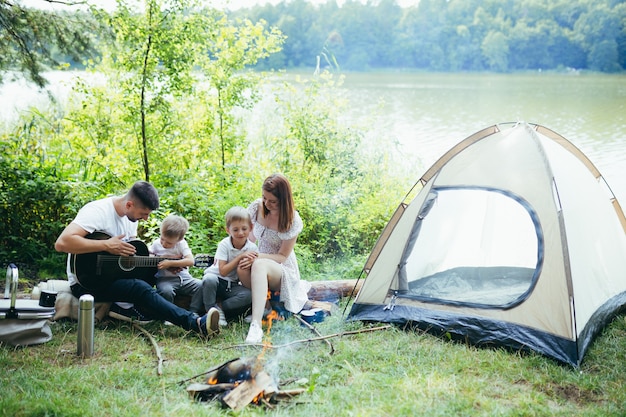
{"x":240,"y":382}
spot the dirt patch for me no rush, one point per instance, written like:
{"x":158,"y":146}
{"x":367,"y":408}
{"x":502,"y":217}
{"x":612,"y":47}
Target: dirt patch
{"x":567,"y":392}
{"x":574,"y":393}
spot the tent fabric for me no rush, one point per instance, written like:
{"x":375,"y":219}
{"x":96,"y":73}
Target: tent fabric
{"x":513,"y":239}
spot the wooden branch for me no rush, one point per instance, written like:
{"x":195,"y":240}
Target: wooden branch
{"x":195,"y":390}
{"x":314,"y":330}
{"x":267,"y":403}
{"x":155,"y":346}
{"x":215,"y":368}
{"x":288,"y":394}
{"x":68,"y":3}
{"x":313,"y":339}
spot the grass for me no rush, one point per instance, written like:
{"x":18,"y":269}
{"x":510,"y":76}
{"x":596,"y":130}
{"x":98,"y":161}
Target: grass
{"x":391,"y":372}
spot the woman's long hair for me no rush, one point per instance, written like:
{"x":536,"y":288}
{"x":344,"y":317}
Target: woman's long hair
{"x":279,"y":186}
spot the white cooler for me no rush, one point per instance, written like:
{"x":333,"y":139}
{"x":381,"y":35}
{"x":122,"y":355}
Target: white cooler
{"x":22,"y":322}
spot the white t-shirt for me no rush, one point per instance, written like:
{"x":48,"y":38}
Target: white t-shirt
{"x":178,"y":251}
{"x":100,"y":216}
{"x":227,"y":252}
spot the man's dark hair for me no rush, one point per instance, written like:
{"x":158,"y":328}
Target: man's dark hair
{"x":145,"y":193}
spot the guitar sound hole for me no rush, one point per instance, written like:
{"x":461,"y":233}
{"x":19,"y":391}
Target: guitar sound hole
{"x":126,"y":263}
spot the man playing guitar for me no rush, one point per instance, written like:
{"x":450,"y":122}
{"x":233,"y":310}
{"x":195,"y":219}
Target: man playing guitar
{"x":116,"y":218}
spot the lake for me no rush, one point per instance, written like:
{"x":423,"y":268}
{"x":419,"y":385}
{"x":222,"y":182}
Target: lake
{"x":429,"y":113}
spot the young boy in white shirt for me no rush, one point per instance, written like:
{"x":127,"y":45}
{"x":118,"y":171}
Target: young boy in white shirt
{"x":220,"y":281}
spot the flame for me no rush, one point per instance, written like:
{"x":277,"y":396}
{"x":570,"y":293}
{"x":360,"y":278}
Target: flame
{"x":273,"y":315}
{"x":212,"y":381}
{"x":258,"y":398}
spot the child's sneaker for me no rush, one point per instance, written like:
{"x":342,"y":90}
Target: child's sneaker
{"x":208,"y":325}
{"x":131,"y":315}
{"x":255,"y":334}
{"x":222,"y":321}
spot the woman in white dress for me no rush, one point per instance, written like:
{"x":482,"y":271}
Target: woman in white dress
{"x":276,"y":226}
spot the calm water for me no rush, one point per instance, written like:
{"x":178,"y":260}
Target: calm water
{"x":429,"y":113}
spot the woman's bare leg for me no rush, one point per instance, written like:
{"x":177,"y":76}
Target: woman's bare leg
{"x":265,"y":274}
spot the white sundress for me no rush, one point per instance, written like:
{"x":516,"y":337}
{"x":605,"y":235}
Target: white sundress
{"x":293,"y":290}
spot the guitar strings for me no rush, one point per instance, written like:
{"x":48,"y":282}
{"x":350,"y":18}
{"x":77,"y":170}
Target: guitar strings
{"x":137,"y":261}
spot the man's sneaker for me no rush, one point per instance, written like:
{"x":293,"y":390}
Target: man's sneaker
{"x":222,"y":321}
{"x":131,"y":315}
{"x":208,"y":325}
{"x":255,"y":334}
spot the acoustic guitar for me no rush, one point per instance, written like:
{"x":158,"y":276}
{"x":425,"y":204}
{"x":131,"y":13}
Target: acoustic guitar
{"x":97,"y":270}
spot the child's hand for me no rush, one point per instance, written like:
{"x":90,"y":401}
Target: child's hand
{"x":168,"y":264}
{"x":164,"y":265}
{"x":247,"y":260}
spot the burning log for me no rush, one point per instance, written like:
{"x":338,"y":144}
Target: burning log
{"x":235,"y":371}
{"x":207,"y":392}
{"x":237,"y":383}
{"x":249,"y":391}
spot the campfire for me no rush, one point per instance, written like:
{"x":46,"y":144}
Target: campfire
{"x":244,"y":381}
{"x":240,"y":382}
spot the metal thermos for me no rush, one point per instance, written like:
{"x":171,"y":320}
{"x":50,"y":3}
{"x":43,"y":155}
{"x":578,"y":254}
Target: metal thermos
{"x":86,"y":315}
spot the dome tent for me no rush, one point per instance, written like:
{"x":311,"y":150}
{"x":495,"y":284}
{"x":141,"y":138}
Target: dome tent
{"x":514,"y":239}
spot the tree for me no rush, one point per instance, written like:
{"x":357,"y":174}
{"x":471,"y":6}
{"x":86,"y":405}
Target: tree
{"x":603,"y":56}
{"x":597,"y":31}
{"x":32,"y":40}
{"x":152,"y":53}
{"x":496,"y":50}
{"x":225,"y":58}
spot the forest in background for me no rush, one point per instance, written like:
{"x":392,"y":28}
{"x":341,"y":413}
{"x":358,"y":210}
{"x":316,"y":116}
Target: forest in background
{"x":177,"y":79}
{"x":449,"y":35}
{"x":435,"y":35}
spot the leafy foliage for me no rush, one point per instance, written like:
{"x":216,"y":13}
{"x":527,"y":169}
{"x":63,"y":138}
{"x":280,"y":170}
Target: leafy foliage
{"x":328,"y":169}
{"x":150,"y":58}
{"x":166,"y":103}
{"x":33,"y":40}
{"x":35,"y":204}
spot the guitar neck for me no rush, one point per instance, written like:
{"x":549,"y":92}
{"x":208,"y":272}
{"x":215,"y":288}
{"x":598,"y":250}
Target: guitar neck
{"x":135,"y":261}
{"x":147,"y":261}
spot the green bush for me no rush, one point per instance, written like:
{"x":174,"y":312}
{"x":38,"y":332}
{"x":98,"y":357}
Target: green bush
{"x":33,"y":206}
